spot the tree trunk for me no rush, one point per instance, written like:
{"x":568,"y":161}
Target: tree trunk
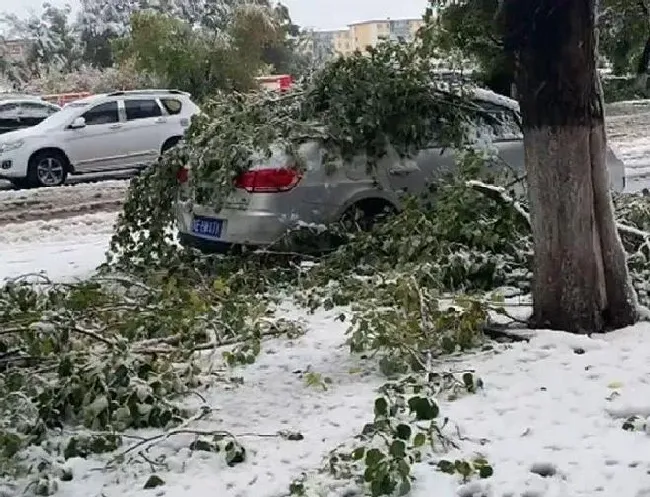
{"x":642,"y":67}
{"x":581,"y":282}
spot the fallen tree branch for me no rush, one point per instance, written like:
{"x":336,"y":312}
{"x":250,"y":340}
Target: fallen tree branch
{"x":499,"y":194}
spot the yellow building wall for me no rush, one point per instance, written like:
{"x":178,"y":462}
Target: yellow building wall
{"x":361,"y":35}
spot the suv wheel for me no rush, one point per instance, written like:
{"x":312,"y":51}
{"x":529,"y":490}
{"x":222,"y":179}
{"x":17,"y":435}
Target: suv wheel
{"x":47,"y":169}
{"x":20,"y":184}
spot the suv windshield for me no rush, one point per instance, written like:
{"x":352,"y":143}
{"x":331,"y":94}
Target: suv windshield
{"x":64,"y":116}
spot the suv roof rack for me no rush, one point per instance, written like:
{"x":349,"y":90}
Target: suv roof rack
{"x":146,"y":92}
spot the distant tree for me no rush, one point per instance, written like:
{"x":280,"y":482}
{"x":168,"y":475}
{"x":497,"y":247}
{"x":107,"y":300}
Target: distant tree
{"x":54,"y":44}
{"x":625,"y":36}
{"x":286,"y":52}
{"x":199,"y":59}
{"x":580,"y":281}
{"x":468,"y":27}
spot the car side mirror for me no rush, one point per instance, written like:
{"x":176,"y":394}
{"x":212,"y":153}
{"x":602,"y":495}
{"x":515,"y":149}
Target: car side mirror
{"x":78,"y":123}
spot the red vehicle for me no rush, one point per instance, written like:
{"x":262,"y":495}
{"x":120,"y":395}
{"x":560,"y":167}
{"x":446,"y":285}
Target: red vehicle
{"x":279,"y":82}
{"x":64,"y":98}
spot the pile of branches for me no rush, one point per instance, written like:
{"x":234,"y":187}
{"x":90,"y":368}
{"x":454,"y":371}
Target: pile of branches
{"x":115,"y":353}
{"x":362,"y":105}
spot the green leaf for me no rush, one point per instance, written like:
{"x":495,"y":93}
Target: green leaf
{"x":446,"y":466}
{"x":404,"y":488}
{"x":424,"y":409}
{"x":485,"y":471}
{"x":398,"y":449}
{"x":358,"y":453}
{"x":419,"y":440}
{"x":153,"y":481}
{"x":381,"y":407}
{"x":374,"y":456}
{"x":403,"y":432}
{"x":404,"y":468}
{"x":463,"y":468}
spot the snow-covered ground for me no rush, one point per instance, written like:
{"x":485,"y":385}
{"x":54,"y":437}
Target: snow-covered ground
{"x":556,"y":403}
{"x":67,"y":248}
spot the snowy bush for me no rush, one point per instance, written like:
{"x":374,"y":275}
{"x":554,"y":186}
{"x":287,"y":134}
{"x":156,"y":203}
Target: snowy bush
{"x":93,"y":80}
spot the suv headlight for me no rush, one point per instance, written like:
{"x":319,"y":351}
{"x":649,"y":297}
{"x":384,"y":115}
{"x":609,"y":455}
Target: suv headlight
{"x":6,"y":147}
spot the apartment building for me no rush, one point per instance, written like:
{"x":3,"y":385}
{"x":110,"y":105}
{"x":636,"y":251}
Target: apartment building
{"x":15,"y":50}
{"x":360,"y":35}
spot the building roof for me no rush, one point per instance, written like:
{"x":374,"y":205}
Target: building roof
{"x":388,"y":19}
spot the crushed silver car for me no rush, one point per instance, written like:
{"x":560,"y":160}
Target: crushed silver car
{"x":274,"y":197}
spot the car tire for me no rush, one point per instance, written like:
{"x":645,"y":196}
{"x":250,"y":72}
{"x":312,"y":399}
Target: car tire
{"x":20,"y":183}
{"x":47,"y":169}
{"x":360,"y":217}
{"x":169,"y":144}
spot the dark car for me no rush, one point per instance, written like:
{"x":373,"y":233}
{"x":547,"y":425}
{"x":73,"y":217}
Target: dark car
{"x":17,"y":112}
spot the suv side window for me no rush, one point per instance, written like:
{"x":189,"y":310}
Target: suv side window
{"x":36,"y":110}
{"x":172,"y":105}
{"x":9,"y":111}
{"x":105,"y":113}
{"x":142,"y":109}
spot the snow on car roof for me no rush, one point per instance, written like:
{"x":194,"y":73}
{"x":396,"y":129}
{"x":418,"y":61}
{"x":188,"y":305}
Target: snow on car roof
{"x":490,"y":96}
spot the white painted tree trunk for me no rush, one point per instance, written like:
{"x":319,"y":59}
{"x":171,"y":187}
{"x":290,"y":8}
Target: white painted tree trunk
{"x":581,"y":282}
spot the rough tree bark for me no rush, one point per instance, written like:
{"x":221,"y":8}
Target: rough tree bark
{"x":642,"y":67}
{"x":644,"y":59}
{"x":581,"y":282}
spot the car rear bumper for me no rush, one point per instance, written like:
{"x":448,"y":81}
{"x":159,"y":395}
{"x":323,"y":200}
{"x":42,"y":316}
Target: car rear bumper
{"x":241,"y":228}
{"x":206,"y":245}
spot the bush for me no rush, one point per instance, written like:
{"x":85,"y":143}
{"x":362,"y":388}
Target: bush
{"x":93,"y":80}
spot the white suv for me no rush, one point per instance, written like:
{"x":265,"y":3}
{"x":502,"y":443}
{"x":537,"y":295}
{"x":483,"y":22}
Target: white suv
{"x":120,"y":130}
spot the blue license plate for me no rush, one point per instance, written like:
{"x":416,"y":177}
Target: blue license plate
{"x":207,"y":227}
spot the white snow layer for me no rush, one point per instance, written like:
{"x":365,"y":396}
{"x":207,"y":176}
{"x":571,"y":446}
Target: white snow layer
{"x":66,"y":249}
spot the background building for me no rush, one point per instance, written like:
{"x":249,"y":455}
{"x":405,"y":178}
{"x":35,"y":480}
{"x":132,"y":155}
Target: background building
{"x":360,"y":35}
{"x":15,"y":50}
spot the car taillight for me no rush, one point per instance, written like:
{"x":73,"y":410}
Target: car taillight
{"x":268,"y":180}
{"x":183,"y":175}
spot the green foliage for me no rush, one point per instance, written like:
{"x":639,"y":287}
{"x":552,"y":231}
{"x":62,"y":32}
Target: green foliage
{"x":623,"y":88}
{"x":468,"y":30}
{"x":466,"y":469}
{"x":206,"y":61}
{"x":406,"y":429}
{"x":624,"y":30}
{"x":112,"y":354}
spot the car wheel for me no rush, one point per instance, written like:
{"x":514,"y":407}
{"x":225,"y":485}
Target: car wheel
{"x":48,"y":169}
{"x":169,"y":144}
{"x":362,"y":217}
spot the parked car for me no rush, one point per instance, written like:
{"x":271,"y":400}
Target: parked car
{"x":100,"y":133}
{"x":270,"y":198}
{"x":21,"y":111}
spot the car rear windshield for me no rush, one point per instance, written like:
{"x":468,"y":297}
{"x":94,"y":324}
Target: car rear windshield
{"x":172,"y":105}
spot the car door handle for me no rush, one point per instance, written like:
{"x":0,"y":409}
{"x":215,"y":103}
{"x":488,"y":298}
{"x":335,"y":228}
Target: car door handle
{"x":399,"y":172}
{"x":115,"y":126}
{"x":161,"y":120}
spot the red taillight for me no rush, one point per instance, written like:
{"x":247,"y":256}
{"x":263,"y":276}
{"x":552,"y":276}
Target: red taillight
{"x":182,"y":175}
{"x":268,"y":180}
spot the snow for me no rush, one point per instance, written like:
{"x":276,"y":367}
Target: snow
{"x":273,"y":397}
{"x":554,"y":404}
{"x":42,"y":245}
{"x":495,"y":98}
